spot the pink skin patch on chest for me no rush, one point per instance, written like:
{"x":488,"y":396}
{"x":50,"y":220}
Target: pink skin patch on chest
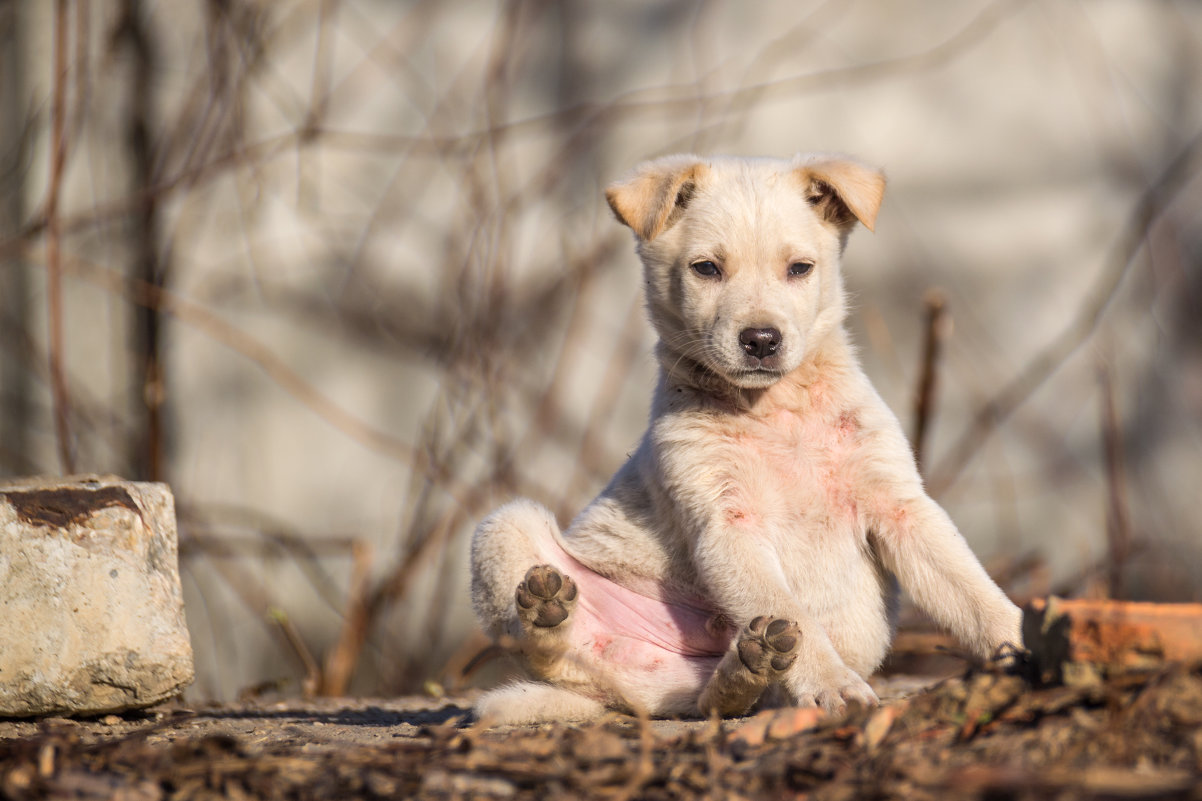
{"x":642,"y":632}
{"x":792,"y":467}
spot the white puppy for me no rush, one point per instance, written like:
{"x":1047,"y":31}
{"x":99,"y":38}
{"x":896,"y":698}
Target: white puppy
{"x":753,"y":539}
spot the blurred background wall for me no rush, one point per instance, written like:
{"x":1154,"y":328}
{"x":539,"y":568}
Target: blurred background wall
{"x":341,"y":272}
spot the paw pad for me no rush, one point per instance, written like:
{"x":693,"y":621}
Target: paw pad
{"x":769,"y":644}
{"x":546,"y":595}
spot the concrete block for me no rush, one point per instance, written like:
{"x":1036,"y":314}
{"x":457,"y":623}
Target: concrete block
{"x":91,"y":610}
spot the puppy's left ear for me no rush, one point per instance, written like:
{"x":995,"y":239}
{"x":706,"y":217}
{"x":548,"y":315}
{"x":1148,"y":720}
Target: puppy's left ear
{"x":842,"y":190}
{"x":650,"y":199}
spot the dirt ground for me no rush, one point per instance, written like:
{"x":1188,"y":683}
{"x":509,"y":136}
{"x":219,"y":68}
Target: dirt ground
{"x":982,"y":735}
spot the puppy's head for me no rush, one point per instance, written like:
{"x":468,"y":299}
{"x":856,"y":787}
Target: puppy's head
{"x":741,"y":256}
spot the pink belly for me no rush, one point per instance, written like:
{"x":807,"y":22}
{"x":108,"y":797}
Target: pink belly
{"x":639,"y":635}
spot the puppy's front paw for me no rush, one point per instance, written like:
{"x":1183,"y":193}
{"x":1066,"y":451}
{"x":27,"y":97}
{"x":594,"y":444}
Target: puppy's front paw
{"x":842,"y":687}
{"x":545,"y":597}
{"x":765,"y":649}
{"x":768,"y":646}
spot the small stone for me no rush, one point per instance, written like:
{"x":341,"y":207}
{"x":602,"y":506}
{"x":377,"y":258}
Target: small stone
{"x":776,"y":724}
{"x":752,"y":732}
{"x":59,"y":723}
{"x":879,"y":724}
{"x":791,"y":722}
{"x":93,"y":610}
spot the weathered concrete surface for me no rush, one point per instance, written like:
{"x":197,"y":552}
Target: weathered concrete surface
{"x":91,"y":611}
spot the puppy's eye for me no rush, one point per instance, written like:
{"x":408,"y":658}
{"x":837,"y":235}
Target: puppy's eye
{"x":706,"y":268}
{"x":799,"y":268}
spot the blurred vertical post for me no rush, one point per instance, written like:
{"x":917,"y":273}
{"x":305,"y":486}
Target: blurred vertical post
{"x":16,"y":413}
{"x":149,"y":379}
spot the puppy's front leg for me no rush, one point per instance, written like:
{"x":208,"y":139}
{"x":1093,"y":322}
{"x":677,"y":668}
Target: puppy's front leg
{"x":919,"y":543}
{"x":764,"y":650}
{"x":781,"y":640}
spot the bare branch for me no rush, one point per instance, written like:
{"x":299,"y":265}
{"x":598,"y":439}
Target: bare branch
{"x":1154,"y":200}
{"x":1118,"y":518}
{"x":938,"y":326}
{"x":54,"y":281}
{"x":143,"y":294}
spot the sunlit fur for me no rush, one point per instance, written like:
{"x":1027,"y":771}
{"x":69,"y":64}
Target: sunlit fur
{"x":782,"y":488}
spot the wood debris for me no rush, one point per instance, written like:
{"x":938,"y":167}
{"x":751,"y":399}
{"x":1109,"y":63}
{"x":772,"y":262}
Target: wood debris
{"x":1078,"y":640}
{"x":984,"y":735}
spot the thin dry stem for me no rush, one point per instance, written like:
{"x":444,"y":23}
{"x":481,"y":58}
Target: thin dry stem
{"x":341,"y":660}
{"x":1118,"y":524}
{"x":54,"y":281}
{"x":938,"y":326}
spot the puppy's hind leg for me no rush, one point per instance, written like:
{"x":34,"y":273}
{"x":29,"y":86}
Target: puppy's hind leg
{"x":545,"y":599}
{"x":534,"y":702}
{"x":514,"y":593}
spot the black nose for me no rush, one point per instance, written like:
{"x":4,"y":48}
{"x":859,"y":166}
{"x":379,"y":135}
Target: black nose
{"x":760,"y":342}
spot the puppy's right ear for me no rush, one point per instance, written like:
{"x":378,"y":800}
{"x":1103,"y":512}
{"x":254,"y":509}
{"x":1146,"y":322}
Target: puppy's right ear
{"x":650,"y":198}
